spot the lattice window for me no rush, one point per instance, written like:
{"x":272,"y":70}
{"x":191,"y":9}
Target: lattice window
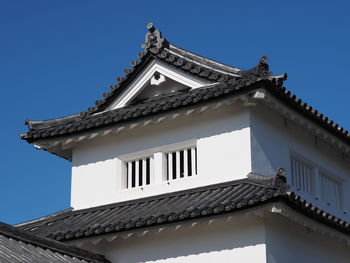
{"x":303,"y":178}
{"x":139,"y":172}
{"x":313,"y":180}
{"x":181,"y":163}
{"x":330,"y":190}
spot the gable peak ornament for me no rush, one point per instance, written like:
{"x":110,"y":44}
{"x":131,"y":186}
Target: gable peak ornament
{"x":153,"y":38}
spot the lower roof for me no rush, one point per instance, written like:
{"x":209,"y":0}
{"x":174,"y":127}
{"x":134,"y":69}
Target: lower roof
{"x":255,"y":190}
{"x":21,"y":246}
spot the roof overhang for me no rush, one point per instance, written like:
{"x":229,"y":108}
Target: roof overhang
{"x":263,"y":211}
{"x":63,"y":145}
{"x":58,"y":135}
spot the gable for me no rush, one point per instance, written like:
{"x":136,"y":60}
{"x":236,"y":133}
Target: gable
{"x":155,"y":80}
{"x":183,"y":71}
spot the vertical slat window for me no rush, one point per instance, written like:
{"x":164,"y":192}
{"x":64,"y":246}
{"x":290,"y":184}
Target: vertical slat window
{"x":185,"y":163}
{"x":178,"y":164}
{"x":170,"y":166}
{"x":129,"y":174}
{"x":303,"y":176}
{"x":330,"y":190}
{"x":181,"y":163}
{"x":139,"y":172}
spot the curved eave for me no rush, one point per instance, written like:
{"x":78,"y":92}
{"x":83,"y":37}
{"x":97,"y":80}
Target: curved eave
{"x":76,"y":124}
{"x":128,"y":113}
{"x":218,"y":199}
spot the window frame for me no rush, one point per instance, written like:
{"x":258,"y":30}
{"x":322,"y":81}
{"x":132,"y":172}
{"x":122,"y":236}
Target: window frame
{"x":157,"y":155}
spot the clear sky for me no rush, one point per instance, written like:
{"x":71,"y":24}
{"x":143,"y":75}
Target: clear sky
{"x":58,"y":57}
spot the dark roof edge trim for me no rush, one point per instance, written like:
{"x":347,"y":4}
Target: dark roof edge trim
{"x":299,"y":204}
{"x":46,"y":243}
{"x":290,"y":99}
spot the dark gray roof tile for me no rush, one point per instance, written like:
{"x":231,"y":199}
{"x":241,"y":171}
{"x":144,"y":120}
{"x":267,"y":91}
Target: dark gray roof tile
{"x":193,"y":203}
{"x":21,"y":246}
{"x":232,"y":81}
{"x":203,"y":201}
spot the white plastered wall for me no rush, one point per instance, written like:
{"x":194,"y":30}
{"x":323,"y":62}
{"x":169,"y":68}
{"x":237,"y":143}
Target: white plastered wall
{"x":288,"y":242}
{"x":238,"y":240}
{"x":247,"y":236}
{"x":273,"y":140}
{"x":222,"y":138}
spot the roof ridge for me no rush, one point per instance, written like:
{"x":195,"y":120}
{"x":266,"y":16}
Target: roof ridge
{"x":157,"y":47}
{"x":46,"y":243}
{"x":29,"y":222}
{"x":234,"y":70}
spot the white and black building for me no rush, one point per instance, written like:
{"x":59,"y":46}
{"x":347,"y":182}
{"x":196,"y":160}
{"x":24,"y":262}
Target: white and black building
{"x":191,"y":160}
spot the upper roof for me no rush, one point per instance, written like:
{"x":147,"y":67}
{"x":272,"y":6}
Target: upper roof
{"x":227,"y":81}
{"x":22,"y":246}
{"x":204,"y":201}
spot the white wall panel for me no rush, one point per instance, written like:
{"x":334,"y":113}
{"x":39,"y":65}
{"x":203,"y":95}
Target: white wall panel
{"x":222,"y":137}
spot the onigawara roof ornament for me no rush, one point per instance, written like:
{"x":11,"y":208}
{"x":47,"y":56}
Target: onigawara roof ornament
{"x":261,"y":70}
{"x":224,"y":81}
{"x":153,"y":38}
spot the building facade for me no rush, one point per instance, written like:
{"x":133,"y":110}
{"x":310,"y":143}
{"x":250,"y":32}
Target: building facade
{"x":191,"y":160}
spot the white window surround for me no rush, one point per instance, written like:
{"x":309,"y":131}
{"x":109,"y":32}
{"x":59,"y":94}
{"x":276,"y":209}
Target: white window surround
{"x":141,"y":81}
{"x":318,"y":172}
{"x":159,"y":166}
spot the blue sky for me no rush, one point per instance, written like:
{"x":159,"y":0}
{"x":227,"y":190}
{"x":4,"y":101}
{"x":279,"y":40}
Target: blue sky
{"x":58,"y":57}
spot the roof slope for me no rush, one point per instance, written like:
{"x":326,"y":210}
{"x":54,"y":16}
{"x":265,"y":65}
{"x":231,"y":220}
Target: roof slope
{"x":156,"y":48}
{"x":200,"y":202}
{"x":21,"y":246}
{"x":231,"y":81}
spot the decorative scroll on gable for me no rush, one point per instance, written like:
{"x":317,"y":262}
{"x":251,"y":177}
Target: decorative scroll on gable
{"x":155,"y":80}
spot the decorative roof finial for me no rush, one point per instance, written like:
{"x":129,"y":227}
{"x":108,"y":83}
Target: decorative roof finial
{"x":153,"y":38}
{"x":261,"y":70}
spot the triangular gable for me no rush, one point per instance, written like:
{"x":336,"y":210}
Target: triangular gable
{"x":156,"y":79}
{"x":186,"y":67}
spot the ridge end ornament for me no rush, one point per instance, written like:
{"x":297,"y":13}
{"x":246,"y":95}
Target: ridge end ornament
{"x":261,"y":70}
{"x":153,"y":38}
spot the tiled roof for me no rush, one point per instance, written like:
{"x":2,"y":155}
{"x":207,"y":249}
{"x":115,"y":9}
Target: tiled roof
{"x":157,"y":47}
{"x":231,"y":81}
{"x":20,"y":246}
{"x":208,"y":200}
{"x":75,"y":124}
{"x":171,"y":207}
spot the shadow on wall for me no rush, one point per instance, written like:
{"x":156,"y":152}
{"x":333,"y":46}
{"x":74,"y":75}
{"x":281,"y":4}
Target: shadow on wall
{"x":301,"y":244}
{"x":199,"y":125}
